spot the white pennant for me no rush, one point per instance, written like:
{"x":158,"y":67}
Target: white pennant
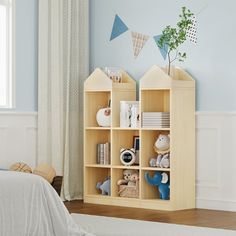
{"x":191,"y":33}
{"x":139,"y":41}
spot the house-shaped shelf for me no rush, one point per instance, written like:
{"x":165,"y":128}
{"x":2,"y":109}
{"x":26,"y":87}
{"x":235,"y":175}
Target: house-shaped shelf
{"x":156,"y":77}
{"x":175,"y":95}
{"x":99,"y":81}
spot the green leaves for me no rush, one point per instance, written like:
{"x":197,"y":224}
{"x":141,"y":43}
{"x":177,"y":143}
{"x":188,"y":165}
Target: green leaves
{"x":174,"y":37}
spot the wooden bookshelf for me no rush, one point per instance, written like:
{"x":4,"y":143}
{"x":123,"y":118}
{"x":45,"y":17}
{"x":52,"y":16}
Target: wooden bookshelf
{"x":158,"y":92}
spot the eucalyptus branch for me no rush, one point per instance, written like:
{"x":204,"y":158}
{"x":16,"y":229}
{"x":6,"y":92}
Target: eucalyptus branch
{"x":174,"y":37}
{"x":176,"y":56}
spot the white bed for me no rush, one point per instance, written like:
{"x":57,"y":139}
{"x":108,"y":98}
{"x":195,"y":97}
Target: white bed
{"x":29,"y":206}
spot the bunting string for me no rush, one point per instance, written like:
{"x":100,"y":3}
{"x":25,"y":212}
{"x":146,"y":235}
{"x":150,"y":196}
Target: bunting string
{"x":139,"y":40}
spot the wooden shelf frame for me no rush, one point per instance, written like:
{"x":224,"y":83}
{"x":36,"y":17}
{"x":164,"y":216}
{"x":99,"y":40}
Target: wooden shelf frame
{"x":158,"y":92}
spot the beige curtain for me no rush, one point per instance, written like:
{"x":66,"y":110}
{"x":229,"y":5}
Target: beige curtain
{"x":62,"y":68}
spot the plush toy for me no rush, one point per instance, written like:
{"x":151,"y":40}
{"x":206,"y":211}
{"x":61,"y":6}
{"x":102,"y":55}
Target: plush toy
{"x":161,"y":180}
{"x":162,"y":161}
{"x":133,"y":179}
{"x":105,"y":186}
{"x":127,"y":156}
{"x":46,"y":171}
{"x":162,"y":147}
{"x":20,"y":167}
{"x":129,"y":178}
{"x":162,"y":144}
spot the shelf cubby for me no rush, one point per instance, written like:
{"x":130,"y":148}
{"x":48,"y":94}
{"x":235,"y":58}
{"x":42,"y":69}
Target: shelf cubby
{"x":149,"y":192}
{"x":92,"y":138}
{"x":117,"y":174}
{"x":148,"y":139}
{"x":93,"y":176}
{"x":121,"y":139}
{"x":156,"y":100}
{"x":94,"y":100}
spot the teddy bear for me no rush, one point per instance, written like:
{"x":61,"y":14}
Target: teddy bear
{"x":130,"y":177}
{"x":133,"y":179}
{"x":162,"y":147}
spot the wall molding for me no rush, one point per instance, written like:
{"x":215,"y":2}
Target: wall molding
{"x":215,"y":152}
{"x":215,"y":160}
{"x":216,"y":204}
{"x":18,"y":134}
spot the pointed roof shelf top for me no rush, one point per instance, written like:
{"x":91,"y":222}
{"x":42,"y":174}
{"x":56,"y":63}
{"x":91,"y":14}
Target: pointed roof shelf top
{"x":156,"y":77}
{"x":99,"y":81}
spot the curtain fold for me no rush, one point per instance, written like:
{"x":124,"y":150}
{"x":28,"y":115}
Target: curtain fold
{"x":63,"y":67}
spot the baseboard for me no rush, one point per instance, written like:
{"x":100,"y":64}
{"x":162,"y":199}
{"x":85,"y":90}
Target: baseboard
{"x":216,"y":204}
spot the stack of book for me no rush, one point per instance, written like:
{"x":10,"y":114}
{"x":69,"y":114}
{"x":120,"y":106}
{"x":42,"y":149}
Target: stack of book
{"x":155,"y":119}
{"x":103,"y":153}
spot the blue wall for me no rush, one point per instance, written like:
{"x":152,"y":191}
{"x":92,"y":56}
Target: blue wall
{"x":211,"y":62}
{"x":26,"y":54}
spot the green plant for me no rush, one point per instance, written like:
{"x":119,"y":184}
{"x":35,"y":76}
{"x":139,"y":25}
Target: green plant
{"x":172,"y":38}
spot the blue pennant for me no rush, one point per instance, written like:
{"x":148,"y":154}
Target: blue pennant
{"x":164,"y":49}
{"x":119,"y":27}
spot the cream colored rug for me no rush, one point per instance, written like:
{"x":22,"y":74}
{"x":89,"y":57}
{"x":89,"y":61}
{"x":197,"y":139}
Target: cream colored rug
{"x":109,"y":226}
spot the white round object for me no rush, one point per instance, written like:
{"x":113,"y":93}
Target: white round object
{"x":104,"y":117}
{"x":127,"y":157}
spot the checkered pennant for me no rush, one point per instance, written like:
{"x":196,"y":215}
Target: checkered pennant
{"x":139,"y":41}
{"x":192,"y":31}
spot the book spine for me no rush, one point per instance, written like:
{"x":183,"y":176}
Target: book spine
{"x":102,"y":154}
{"x":105,"y":154}
{"x":98,"y":153}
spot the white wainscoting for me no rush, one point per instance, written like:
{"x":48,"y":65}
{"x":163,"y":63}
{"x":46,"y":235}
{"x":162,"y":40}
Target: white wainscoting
{"x":18,"y":136}
{"x":216,"y":160}
{"x":215,"y":149}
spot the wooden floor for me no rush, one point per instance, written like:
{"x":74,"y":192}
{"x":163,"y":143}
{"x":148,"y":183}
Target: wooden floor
{"x":194,"y":217}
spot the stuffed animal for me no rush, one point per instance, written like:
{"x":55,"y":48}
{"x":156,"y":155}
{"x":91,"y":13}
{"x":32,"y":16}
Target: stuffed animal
{"x":127,"y":179}
{"x":162,"y":161}
{"x":161,"y":181}
{"x":105,"y":186}
{"x":162,"y":147}
{"x":133,"y":179}
{"x":162,"y":144}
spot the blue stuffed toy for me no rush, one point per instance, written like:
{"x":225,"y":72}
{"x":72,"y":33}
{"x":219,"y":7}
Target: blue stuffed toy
{"x":105,"y":186}
{"x":161,"y":180}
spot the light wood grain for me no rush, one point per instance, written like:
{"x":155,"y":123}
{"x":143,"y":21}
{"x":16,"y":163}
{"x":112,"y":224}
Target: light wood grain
{"x":158,"y":93}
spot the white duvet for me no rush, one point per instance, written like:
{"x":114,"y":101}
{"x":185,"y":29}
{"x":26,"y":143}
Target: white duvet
{"x":29,"y":206}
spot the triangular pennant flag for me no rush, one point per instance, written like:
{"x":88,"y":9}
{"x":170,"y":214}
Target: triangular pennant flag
{"x":164,"y":49}
{"x":191,"y":33}
{"x":119,"y":27}
{"x":139,"y":41}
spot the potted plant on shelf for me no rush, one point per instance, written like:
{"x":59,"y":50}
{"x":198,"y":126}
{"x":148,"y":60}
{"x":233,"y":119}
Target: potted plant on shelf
{"x":172,"y":38}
